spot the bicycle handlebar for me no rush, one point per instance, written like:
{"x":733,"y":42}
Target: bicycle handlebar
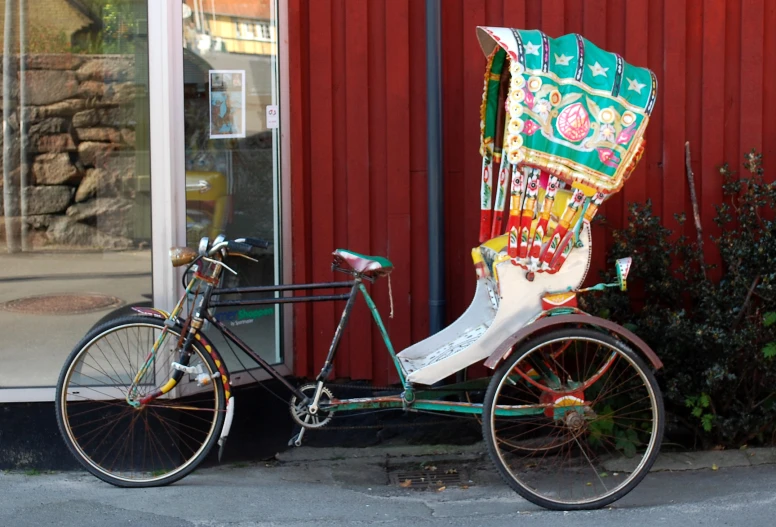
{"x":244,"y":246}
{"x":255,"y":242}
{"x":233,"y":246}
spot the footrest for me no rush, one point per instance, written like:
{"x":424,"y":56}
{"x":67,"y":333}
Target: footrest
{"x":469,"y":337}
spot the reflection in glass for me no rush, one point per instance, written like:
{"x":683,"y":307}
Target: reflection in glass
{"x":75,"y":217}
{"x":230,"y":61}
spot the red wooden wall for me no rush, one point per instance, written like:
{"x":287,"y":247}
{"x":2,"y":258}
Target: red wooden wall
{"x":358,"y":135}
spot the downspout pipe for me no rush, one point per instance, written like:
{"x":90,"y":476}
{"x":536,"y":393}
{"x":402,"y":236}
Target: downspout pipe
{"x":436,"y":206}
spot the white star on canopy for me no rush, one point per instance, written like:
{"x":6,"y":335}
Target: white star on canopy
{"x":635,"y":85}
{"x":597,"y":69}
{"x":562,"y":60}
{"x":531,"y":48}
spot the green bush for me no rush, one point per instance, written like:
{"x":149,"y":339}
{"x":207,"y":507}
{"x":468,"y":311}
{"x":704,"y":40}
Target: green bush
{"x":714,"y":327}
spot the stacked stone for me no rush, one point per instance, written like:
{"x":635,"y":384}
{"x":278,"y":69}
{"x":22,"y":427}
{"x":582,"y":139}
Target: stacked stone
{"x":80,"y":121}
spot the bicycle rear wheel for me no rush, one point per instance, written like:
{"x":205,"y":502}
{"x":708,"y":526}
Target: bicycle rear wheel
{"x":573,"y":420}
{"x":155,"y":444}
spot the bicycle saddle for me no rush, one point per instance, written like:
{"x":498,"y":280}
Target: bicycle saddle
{"x":361,"y":263}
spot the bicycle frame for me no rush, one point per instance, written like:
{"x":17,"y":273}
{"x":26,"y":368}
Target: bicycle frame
{"x":409,"y":399}
{"x":355,"y":285}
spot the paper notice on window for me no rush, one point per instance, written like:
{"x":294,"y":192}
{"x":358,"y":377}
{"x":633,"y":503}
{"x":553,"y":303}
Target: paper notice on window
{"x":273,"y":119}
{"x":227,"y":103}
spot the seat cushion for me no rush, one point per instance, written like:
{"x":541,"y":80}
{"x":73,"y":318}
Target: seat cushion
{"x":362,"y":263}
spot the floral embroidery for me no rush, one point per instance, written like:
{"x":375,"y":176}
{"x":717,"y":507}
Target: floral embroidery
{"x":608,"y":157}
{"x":530,"y":127}
{"x":542,"y":106}
{"x":606,"y":115}
{"x":573,"y":122}
{"x":626,"y":135}
{"x":606,"y":132}
{"x":529,"y":98}
{"x":534,"y":83}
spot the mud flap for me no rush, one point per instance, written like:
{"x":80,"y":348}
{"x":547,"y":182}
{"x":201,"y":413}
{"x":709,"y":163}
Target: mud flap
{"x":226,"y":427}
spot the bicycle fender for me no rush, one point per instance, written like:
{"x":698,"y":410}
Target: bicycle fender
{"x":505,"y":348}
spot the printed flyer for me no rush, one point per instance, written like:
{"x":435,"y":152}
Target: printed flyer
{"x":227,"y":104}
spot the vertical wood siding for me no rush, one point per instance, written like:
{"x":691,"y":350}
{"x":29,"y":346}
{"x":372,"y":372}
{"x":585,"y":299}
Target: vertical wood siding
{"x":358,"y":133}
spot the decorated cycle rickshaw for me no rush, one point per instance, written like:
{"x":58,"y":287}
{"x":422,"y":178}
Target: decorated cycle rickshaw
{"x":572,"y":416}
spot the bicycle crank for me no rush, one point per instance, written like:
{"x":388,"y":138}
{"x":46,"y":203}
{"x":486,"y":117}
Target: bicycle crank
{"x":301,"y":410}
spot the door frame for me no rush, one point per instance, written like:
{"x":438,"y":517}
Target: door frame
{"x":168,"y":200}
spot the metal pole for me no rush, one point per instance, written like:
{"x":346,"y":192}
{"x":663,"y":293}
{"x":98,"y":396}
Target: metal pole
{"x":197,"y":20}
{"x":10,"y":197}
{"x":23,"y":161}
{"x":436,"y":208}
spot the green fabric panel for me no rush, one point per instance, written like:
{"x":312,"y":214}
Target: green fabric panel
{"x":585,"y":109}
{"x":384,"y":262}
{"x":492,"y":108}
{"x":564,"y":56}
{"x":636,"y":85}
{"x":599,"y":68}
{"x":532,"y":42}
{"x":586,"y":127}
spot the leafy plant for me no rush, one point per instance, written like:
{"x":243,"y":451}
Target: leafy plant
{"x":699,"y":406}
{"x":769,"y":351}
{"x":117,"y":30}
{"x":713,"y":325}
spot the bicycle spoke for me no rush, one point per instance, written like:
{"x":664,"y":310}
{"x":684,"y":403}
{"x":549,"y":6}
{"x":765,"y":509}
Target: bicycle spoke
{"x":594,"y":416}
{"x":124,"y":444}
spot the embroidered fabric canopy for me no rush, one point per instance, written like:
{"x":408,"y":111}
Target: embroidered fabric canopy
{"x":562,"y":112}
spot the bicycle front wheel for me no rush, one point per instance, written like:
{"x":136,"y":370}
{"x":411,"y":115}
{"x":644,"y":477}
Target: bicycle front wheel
{"x":157,"y":443}
{"x":573,"y":420}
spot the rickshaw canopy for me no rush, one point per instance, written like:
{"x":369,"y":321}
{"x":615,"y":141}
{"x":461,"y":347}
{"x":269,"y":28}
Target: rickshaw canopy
{"x":562,"y":127}
{"x":573,"y":109}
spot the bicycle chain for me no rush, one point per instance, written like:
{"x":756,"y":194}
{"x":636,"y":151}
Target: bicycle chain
{"x":369,"y":427}
{"x":372,"y":427}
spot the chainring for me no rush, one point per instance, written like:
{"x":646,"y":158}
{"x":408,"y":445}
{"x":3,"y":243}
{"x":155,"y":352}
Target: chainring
{"x":299,"y":409}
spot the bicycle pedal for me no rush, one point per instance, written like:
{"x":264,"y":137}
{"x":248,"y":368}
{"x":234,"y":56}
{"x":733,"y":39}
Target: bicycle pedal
{"x":296,"y":440}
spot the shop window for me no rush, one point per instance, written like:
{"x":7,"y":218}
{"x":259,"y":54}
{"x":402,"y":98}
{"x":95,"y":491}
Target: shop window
{"x":75,"y":212}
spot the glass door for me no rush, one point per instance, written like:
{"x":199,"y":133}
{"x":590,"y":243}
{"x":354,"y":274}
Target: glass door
{"x":231,"y":151}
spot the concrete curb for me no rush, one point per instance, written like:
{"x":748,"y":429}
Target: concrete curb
{"x":399,"y":454}
{"x":376,"y":454}
{"x":711,"y":458}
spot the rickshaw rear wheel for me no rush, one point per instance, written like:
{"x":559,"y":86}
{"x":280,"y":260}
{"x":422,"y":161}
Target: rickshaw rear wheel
{"x":573,"y":419}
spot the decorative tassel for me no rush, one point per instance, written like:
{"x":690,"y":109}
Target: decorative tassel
{"x":486,"y":201}
{"x":390,"y":295}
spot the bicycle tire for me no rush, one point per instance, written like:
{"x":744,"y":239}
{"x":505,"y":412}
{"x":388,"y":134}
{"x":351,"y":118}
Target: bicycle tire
{"x":166,"y":421}
{"x":524,"y":474}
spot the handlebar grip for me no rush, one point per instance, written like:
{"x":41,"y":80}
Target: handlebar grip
{"x":255,"y":242}
{"x":236,"y":247}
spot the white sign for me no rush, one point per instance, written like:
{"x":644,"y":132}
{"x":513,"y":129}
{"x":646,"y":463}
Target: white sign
{"x":273,"y":119}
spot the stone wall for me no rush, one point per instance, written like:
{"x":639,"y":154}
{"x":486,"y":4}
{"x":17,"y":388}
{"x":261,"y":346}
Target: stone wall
{"x":80,"y":150}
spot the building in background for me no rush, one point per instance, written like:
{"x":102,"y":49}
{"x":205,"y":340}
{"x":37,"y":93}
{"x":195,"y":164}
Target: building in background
{"x":232,"y":26}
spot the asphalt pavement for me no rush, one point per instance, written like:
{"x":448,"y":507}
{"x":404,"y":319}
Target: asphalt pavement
{"x":354,"y":487}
